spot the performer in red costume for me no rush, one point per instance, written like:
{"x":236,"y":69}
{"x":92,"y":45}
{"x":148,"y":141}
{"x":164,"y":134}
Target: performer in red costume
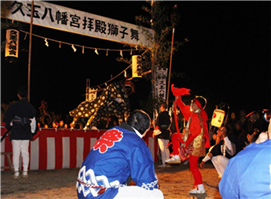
{"x":196,"y":137}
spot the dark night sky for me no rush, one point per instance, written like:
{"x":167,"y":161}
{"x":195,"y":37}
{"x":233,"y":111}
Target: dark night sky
{"x":226,"y":60}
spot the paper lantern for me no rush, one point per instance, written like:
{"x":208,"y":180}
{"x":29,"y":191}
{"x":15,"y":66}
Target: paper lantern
{"x":218,"y":118}
{"x":136,"y":66}
{"x":12,"y":43}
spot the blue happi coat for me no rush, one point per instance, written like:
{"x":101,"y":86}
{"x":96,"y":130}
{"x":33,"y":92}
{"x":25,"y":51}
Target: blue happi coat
{"x":118,"y":154}
{"x":248,"y":174}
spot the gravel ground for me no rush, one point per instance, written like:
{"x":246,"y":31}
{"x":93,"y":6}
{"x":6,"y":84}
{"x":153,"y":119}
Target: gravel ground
{"x":175,"y":182}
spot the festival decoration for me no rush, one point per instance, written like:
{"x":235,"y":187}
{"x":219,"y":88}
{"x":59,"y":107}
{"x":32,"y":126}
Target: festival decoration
{"x":83,"y":46}
{"x":161,"y":82}
{"x":73,"y":47}
{"x":46,"y":42}
{"x":112,"y":101}
{"x":12,"y":43}
{"x":91,"y":93}
{"x":136,"y":66}
{"x":218,"y":118}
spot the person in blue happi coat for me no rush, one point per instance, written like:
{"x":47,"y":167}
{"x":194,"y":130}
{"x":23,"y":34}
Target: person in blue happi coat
{"x":119,"y":156}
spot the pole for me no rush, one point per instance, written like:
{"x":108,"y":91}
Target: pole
{"x":30,"y":49}
{"x":153,"y":69}
{"x":174,"y":21}
{"x":170,"y":64}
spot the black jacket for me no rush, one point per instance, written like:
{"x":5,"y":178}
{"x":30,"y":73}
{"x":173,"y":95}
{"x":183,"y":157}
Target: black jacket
{"x":22,"y":109}
{"x":163,"y":121}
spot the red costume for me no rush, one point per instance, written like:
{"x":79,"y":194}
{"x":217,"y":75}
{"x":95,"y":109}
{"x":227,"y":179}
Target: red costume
{"x":196,"y":137}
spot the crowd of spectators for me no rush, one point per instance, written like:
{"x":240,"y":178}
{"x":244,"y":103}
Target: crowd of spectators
{"x":50,"y":119}
{"x":44,"y":119}
{"x":244,"y":127}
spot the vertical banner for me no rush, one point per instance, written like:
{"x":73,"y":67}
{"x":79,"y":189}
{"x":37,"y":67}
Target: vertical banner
{"x":12,"y":43}
{"x":161,"y":83}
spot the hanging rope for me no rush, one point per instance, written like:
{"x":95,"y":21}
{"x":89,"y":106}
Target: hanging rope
{"x":82,"y":46}
{"x":93,"y":48}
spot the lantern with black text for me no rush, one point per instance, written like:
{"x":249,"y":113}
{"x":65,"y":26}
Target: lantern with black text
{"x":136,"y":66}
{"x":12,"y":43}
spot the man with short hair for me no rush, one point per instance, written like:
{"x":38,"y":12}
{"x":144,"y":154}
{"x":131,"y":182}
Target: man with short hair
{"x":119,"y":156}
{"x":248,"y":174}
{"x":163,"y":122}
{"x":17,"y":117}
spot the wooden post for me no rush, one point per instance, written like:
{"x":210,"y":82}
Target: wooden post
{"x":174,"y":21}
{"x":30,"y":49}
{"x":170,"y":64}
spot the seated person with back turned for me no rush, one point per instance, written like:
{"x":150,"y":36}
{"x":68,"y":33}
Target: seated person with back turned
{"x":248,"y":174}
{"x":119,"y":156}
